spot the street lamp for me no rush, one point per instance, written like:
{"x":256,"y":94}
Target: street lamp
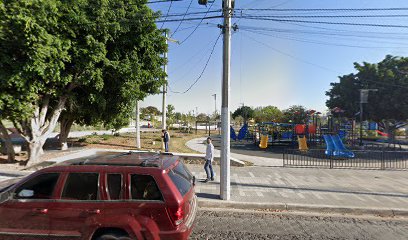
{"x":363,"y":99}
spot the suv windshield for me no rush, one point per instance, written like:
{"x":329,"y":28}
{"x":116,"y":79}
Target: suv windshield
{"x":182,"y":178}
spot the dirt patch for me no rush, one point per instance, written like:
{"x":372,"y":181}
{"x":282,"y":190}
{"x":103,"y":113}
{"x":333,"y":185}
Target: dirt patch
{"x":150,"y":141}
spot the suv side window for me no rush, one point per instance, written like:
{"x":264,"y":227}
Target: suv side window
{"x":40,"y":187}
{"x":114,"y":183}
{"x":144,"y":187}
{"x":81,"y":186}
{"x":181,"y":178}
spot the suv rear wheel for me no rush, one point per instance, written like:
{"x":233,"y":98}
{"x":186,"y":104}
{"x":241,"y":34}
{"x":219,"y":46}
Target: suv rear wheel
{"x":114,"y":236}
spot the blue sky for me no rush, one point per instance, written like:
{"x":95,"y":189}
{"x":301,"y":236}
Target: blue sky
{"x":276,"y":68}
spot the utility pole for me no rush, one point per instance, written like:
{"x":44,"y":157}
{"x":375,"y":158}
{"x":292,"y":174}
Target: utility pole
{"x":215,"y":104}
{"x":225,"y":189}
{"x":164,"y":104}
{"x":215,"y":110}
{"x":137,"y":125}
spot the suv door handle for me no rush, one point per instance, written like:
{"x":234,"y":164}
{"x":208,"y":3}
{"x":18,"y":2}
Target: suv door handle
{"x":40,"y":211}
{"x":93,"y":211}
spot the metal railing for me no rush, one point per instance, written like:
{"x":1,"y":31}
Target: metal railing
{"x":363,"y":159}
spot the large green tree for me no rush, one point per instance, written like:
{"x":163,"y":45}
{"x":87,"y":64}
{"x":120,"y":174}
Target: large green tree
{"x":245,"y":112}
{"x":295,"y":114}
{"x":267,"y":114}
{"x":150,"y":112}
{"x":389,"y":105}
{"x":110,"y":50}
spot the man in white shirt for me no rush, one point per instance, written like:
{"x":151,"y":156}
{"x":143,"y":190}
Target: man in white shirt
{"x":209,"y":158}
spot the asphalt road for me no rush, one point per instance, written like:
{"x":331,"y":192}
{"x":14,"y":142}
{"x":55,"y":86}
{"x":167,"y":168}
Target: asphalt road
{"x":258,"y":225}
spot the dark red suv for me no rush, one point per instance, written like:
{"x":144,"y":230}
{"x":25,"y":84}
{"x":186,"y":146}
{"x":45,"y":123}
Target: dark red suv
{"x":128,"y":196}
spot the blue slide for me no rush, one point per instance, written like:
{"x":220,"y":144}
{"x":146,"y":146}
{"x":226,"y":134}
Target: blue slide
{"x":243,"y":132}
{"x":340,"y":149}
{"x":233,"y":135}
{"x":330,"y":148}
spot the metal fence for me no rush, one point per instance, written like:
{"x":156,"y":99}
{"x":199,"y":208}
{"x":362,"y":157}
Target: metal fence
{"x":364,"y":159}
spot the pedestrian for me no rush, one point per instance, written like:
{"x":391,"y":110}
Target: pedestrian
{"x":209,"y":158}
{"x":166,"y":139}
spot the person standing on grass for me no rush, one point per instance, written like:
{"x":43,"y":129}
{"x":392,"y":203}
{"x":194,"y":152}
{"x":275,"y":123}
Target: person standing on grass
{"x":209,"y":158}
{"x":166,"y":139}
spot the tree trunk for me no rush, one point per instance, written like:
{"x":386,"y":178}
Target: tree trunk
{"x":65,"y":128}
{"x":40,"y":126}
{"x":8,"y":143}
{"x":35,"y":150}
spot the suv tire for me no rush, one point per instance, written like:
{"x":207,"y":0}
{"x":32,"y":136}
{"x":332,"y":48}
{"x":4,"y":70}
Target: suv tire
{"x":114,"y":236}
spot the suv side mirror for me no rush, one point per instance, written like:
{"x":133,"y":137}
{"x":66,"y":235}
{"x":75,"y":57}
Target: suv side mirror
{"x":26,"y":193}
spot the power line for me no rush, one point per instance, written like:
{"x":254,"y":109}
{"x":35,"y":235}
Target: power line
{"x":319,"y":66}
{"x":188,"y":8}
{"x":323,"y":43}
{"x":168,"y":11}
{"x":194,"y":59}
{"x":188,"y":19}
{"x":290,"y":55}
{"x":330,"y":23}
{"x":321,"y":9}
{"x":202,"y":72}
{"x":333,"y":32}
{"x":195,"y":29}
{"x":326,"y":16}
{"x":164,"y":1}
{"x":342,"y":36}
{"x":190,"y":13}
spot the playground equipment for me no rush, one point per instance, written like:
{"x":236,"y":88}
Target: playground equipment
{"x":276,"y":132}
{"x":382,"y":133}
{"x":233,"y":135}
{"x":286,"y":133}
{"x":302,"y":141}
{"x":329,"y":145}
{"x":243,"y":132}
{"x":264,"y":141}
{"x":335,"y":147}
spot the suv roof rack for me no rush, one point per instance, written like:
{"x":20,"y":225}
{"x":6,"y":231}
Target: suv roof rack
{"x":151,"y":160}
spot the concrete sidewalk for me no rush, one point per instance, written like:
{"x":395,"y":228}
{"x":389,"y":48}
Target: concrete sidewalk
{"x":344,"y":191}
{"x":306,"y":189}
{"x":198,"y":145}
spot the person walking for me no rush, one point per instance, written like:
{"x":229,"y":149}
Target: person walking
{"x":209,"y":158}
{"x":166,"y":139}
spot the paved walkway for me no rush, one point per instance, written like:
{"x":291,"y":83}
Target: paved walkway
{"x":315,"y":187}
{"x":198,"y":145}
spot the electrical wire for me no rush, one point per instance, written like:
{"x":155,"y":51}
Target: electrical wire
{"x":327,"y":16}
{"x":190,"y":13}
{"x":164,"y":1}
{"x":202,"y":72}
{"x":321,"y":9}
{"x":334,"y":32}
{"x":290,"y":37}
{"x":168,"y":11}
{"x":195,"y":29}
{"x":330,"y":23}
{"x":188,"y":8}
{"x":188,"y":19}
{"x":290,"y":55}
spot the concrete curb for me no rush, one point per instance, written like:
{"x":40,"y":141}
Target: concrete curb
{"x":92,"y":151}
{"x":384,"y":212}
{"x":13,"y":173}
